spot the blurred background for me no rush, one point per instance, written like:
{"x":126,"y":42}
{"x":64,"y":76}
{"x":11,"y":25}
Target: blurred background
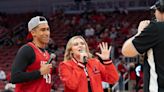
{"x":112,"y":21}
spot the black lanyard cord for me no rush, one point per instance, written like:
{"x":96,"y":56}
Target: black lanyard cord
{"x":87,"y":75}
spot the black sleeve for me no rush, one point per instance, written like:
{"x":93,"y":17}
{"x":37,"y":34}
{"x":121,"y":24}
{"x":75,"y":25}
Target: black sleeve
{"x":147,"y":39}
{"x":25,"y":56}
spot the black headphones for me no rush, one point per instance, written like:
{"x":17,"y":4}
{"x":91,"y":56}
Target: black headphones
{"x":160,"y":5}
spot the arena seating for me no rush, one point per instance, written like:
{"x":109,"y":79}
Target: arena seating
{"x":60,"y":30}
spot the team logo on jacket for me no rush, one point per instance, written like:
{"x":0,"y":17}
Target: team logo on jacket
{"x":95,"y":70}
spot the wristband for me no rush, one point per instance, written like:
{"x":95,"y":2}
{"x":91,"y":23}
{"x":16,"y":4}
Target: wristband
{"x":107,"y":62}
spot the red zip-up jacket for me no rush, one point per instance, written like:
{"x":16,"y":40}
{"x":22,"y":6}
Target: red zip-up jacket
{"x":75,"y":80}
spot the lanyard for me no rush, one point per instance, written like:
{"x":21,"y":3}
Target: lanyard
{"x":86,"y":73}
{"x":44,"y":53}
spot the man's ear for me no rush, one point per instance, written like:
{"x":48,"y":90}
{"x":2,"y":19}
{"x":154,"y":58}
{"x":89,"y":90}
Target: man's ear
{"x":33,"y":33}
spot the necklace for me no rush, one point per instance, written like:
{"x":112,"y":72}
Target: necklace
{"x":41,"y":51}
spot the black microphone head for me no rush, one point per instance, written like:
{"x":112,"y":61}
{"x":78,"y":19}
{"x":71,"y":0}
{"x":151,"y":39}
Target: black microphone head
{"x":84,"y":57}
{"x":85,"y":60}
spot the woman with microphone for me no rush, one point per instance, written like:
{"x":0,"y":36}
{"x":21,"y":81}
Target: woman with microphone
{"x":80,"y":72}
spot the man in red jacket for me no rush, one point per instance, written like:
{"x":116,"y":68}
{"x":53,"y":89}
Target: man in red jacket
{"x":82,"y":73}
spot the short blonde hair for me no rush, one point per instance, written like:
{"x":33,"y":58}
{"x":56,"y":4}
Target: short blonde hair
{"x":68,"y":51}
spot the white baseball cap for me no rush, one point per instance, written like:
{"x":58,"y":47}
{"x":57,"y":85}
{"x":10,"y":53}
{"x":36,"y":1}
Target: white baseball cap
{"x":35,"y":21}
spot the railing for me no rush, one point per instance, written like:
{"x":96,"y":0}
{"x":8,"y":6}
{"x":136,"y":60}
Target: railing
{"x":126,"y":76}
{"x":125,"y":80}
{"x":115,"y":87}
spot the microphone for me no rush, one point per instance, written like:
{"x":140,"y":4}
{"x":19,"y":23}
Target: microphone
{"x":85,"y":60}
{"x":52,"y":56}
{"x":84,"y":57}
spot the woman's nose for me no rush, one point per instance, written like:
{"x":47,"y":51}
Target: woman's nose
{"x":80,"y":45}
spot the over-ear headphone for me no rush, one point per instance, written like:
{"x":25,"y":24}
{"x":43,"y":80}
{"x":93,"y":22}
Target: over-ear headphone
{"x":160,"y":5}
